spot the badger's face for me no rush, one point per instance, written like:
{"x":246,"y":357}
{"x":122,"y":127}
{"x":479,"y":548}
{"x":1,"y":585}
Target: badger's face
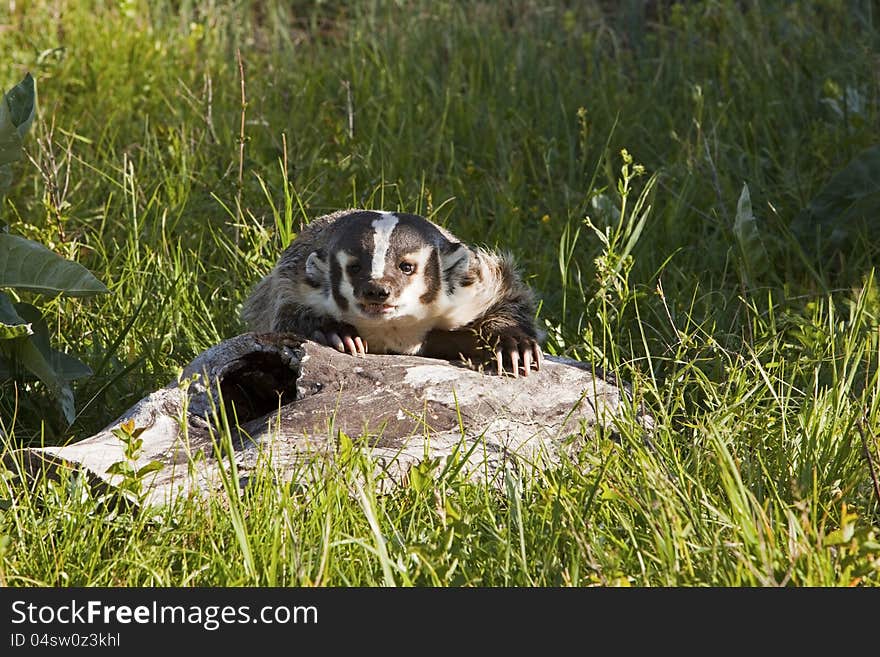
{"x":383,"y":266}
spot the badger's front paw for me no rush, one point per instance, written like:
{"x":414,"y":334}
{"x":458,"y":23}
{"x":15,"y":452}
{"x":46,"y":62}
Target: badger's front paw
{"x":517,"y":351}
{"x":341,"y":336}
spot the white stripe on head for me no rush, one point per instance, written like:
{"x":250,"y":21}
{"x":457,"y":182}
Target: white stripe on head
{"x":382,"y":227}
{"x":344,"y":258}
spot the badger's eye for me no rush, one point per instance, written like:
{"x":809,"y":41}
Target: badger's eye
{"x":407,"y":268}
{"x":354,"y":268}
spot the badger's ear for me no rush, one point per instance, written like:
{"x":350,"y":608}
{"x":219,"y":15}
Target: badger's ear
{"x":317,"y":270}
{"x":455,"y":261}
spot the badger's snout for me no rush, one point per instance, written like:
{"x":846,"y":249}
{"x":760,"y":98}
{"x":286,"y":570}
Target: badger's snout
{"x":376,"y":292}
{"x":375,"y":298}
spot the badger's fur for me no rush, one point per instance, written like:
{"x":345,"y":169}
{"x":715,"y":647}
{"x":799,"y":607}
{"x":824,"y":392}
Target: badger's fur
{"x":398,"y":283}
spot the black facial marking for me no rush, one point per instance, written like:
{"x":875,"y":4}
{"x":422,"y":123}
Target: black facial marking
{"x":335,"y":277}
{"x":354,"y":233}
{"x":431,"y":276}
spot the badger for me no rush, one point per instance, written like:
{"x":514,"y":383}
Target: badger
{"x":397,"y":283}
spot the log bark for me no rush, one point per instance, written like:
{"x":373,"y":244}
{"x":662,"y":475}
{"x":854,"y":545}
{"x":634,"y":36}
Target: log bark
{"x":302,"y":407}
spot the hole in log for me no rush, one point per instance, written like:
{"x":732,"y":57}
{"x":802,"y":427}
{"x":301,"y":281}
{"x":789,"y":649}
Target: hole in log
{"x":257,"y":384}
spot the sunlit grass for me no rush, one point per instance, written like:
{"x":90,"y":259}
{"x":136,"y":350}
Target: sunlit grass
{"x":506,"y":121}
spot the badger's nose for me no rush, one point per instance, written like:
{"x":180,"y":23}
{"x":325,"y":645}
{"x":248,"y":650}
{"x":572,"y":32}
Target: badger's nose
{"x":376,"y":292}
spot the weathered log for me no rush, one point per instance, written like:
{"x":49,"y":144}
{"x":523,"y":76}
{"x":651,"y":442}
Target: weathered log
{"x":289,"y":400}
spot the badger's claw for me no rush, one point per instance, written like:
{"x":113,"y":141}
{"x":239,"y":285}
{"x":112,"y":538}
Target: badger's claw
{"x":355,"y":345}
{"x":514,"y":363}
{"x":341,"y":338}
{"x":539,"y":356}
{"x":521,"y":352}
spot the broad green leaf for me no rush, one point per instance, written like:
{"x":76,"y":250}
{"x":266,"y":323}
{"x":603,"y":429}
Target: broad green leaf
{"x":12,"y":325}
{"x":10,"y":140}
{"x":745,"y":228}
{"x":22,"y":101}
{"x":28,"y":265}
{"x":17,"y":110}
{"x":10,"y":331}
{"x":8,"y":313}
{"x":25,"y":352}
{"x":850,"y":199}
{"x":30,"y":313}
{"x":5,"y":178}
{"x":66,"y":367}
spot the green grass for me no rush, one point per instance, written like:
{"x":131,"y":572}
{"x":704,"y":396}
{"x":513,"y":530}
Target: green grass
{"x":506,"y":122}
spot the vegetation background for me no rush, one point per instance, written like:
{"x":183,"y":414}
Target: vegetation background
{"x":718,"y":264}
